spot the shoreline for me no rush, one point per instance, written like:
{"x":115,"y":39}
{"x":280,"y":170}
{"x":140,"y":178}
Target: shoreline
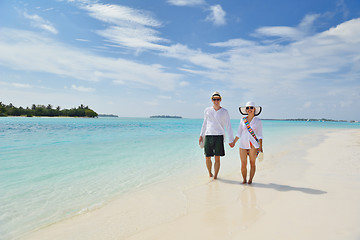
{"x":323,"y":120}
{"x":287,"y":185}
{"x":24,"y":116}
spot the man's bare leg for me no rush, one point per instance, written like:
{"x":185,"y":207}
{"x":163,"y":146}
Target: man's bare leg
{"x":243,"y":158}
{"x":216,"y":166}
{"x":252,"y":155}
{"x":209,"y":165}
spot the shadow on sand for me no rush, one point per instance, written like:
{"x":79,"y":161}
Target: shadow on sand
{"x":278,"y":187}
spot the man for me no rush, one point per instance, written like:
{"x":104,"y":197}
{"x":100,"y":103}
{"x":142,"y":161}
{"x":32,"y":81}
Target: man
{"x":216,"y":119}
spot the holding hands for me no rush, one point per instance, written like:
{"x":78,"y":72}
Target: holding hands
{"x":234,"y":142}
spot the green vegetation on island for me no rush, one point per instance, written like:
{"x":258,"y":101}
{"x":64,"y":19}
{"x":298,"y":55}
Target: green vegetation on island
{"x":46,"y":111}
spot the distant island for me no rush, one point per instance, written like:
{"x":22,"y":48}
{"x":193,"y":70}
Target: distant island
{"x":165,"y":116}
{"x":108,"y":115}
{"x":311,"y":120}
{"x":46,"y":111}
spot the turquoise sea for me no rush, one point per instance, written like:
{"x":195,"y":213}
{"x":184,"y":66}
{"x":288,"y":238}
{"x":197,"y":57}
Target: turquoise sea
{"x":54,"y":168}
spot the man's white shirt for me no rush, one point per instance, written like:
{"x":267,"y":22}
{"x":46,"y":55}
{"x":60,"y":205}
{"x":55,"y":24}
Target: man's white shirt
{"x":215,"y":123}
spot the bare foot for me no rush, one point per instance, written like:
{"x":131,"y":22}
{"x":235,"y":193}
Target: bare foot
{"x":244,"y":182}
{"x":250,"y":182}
{"x":211,"y":175}
{"x":215,"y":177}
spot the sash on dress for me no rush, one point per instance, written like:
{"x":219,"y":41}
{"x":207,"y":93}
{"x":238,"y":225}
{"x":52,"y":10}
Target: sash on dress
{"x":251,"y":131}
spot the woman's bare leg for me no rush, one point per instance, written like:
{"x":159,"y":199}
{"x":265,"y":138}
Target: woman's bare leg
{"x":252,"y":155}
{"x":243,"y":158}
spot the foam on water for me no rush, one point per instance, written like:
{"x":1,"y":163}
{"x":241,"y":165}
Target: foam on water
{"x":54,"y":168}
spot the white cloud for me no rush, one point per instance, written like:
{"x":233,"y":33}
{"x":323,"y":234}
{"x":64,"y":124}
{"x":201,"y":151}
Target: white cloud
{"x":165,"y":97}
{"x":121,"y":15}
{"x":325,"y":52}
{"x":27,"y":51}
{"x":307,"y":23}
{"x":48,"y":9}
{"x":184,"y":84}
{"x":233,"y":43}
{"x":290,"y":33}
{"x":217,"y":15}
{"x":38,"y":22}
{"x":21,"y":85}
{"x":276,"y":68}
{"x":305,"y":70}
{"x":16,"y":85}
{"x":128,"y":27}
{"x":186,"y":2}
{"x":82,"y":40}
{"x":137,"y":38}
{"x":343,"y":8}
{"x":82,"y":89}
{"x":196,"y":57}
{"x":343,"y":33}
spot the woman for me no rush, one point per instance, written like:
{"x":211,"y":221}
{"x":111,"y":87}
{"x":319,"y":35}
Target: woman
{"x":250,"y":135}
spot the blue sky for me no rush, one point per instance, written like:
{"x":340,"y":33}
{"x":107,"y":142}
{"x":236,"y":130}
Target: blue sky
{"x":297,"y":59}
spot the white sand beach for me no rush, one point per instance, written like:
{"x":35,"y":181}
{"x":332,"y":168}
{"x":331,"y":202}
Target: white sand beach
{"x":308,"y":190}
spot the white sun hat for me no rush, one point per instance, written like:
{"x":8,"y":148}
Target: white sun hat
{"x":250,"y":104}
{"x":216,"y":94}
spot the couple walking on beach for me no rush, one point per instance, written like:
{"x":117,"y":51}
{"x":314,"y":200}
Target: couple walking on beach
{"x":216,"y":120}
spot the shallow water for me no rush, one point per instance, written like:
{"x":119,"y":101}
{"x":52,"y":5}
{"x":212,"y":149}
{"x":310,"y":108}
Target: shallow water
{"x":54,"y":168}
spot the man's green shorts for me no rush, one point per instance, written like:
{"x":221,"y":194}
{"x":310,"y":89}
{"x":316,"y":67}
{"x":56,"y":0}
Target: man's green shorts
{"x":214,"y":145}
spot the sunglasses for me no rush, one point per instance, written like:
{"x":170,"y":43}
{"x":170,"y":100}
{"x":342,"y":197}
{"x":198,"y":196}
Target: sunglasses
{"x":216,"y":99}
{"x":247,"y":108}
